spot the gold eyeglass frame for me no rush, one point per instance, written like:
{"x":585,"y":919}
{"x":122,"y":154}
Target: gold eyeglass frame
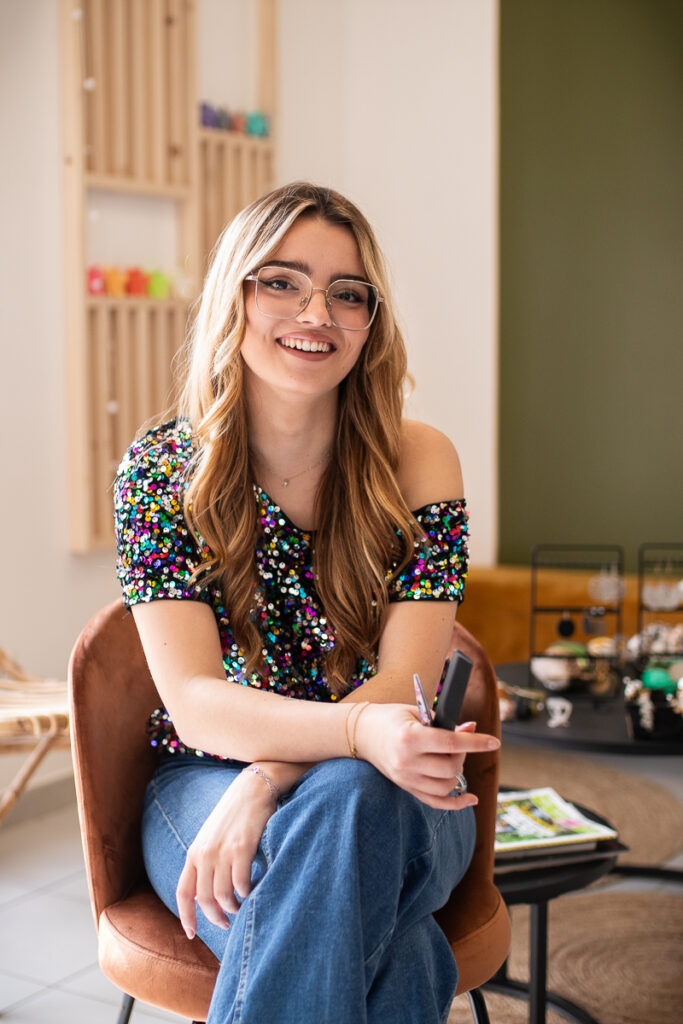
{"x":305,"y":302}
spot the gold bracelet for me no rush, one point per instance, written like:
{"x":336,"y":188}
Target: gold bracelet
{"x":346,"y":730}
{"x":352,"y":742}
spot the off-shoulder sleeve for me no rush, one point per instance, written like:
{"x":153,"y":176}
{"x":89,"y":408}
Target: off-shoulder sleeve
{"x":438,"y":569}
{"x":156,"y":552}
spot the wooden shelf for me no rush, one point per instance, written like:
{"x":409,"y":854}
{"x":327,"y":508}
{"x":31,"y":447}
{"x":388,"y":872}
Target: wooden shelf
{"x":132,"y":186}
{"x":142,"y":302}
{"x":130,"y":116}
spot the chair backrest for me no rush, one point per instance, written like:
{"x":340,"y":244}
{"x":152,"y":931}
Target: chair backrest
{"x":112,"y":696}
{"x":475,"y":919}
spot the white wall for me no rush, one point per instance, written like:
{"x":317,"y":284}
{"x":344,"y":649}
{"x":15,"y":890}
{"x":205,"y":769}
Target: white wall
{"x":391,"y":101}
{"x":46,"y":594}
{"x":394,"y":102}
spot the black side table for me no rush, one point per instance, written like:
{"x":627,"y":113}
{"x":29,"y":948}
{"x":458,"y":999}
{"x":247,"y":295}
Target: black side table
{"x":536,"y":886}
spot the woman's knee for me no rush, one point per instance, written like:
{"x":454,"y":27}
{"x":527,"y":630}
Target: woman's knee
{"x":346,"y":797}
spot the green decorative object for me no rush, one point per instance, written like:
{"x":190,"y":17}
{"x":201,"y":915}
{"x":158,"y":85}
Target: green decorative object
{"x":159,"y":286}
{"x":656,"y":677}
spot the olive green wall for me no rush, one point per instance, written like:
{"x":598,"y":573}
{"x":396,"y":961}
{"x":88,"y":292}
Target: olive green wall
{"x":591,"y":330}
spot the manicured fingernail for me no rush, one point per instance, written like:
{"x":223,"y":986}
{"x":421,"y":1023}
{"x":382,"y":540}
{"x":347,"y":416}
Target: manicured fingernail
{"x":190,"y":932}
{"x":493,"y":744}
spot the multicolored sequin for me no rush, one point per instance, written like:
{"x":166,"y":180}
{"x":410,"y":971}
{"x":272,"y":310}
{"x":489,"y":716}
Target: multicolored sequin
{"x":157,"y":555}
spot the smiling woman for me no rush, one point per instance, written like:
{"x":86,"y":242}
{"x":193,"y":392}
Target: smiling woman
{"x":289,"y":535}
{"x":316,"y":316}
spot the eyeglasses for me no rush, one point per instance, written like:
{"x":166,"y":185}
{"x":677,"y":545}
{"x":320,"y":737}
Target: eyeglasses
{"x":283,"y":293}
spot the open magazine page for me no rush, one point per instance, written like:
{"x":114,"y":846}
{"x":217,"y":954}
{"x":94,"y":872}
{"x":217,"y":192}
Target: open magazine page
{"x":539,"y":818}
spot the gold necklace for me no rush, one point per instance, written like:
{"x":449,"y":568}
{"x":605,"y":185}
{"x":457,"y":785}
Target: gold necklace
{"x":287,"y":480}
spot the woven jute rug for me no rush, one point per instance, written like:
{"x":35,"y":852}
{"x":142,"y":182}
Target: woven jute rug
{"x":616,"y":954}
{"x":648,"y":818}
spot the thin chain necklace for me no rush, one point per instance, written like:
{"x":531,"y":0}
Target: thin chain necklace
{"x":285,"y":482}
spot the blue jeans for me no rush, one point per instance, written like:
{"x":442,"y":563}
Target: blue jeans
{"x":338,"y":928}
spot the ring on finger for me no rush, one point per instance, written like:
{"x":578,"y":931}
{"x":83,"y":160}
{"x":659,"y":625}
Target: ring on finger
{"x":460,"y":786}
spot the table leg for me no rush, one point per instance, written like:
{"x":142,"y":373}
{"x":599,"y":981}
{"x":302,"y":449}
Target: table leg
{"x":538,"y":961}
{"x":536,"y":992}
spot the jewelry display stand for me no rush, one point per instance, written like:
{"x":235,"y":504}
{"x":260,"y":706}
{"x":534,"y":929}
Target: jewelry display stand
{"x":599,"y":616}
{"x":660,"y":584}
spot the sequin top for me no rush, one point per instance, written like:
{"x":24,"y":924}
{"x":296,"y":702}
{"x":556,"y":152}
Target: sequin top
{"x":157,"y":554}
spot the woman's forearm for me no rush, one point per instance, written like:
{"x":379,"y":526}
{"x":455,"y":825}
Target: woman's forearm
{"x":242,"y":722}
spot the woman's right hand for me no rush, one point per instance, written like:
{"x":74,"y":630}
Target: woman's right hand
{"x":218,"y":863}
{"x":419,"y":759}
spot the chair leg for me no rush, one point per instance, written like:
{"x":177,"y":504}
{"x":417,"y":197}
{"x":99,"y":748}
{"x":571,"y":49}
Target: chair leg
{"x":478,"y":1006}
{"x":126,"y":1009}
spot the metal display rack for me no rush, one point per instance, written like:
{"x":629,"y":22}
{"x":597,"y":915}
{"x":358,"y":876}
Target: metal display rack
{"x":606,"y":559}
{"x":665,"y":562}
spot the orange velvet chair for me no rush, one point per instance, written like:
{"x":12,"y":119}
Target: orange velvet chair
{"x":142,"y":947}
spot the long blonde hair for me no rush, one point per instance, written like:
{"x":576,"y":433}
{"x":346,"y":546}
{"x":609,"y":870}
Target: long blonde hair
{"x":363,"y":526}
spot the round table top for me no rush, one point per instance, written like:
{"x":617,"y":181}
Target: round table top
{"x":596,"y":725}
{"x":540,"y":884}
{"x":546,"y":875}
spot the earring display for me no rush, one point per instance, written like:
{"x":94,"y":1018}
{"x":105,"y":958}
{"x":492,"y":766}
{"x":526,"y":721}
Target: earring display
{"x":660,"y":585}
{"x":589,"y":610}
{"x":608,"y":586}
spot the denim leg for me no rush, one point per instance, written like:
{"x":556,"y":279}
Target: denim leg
{"x":338,"y":927}
{"x":354,"y":865}
{"x":416,"y":978}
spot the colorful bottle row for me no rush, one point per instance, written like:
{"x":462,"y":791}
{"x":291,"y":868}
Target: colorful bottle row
{"x":253,"y":123}
{"x":134,"y":281}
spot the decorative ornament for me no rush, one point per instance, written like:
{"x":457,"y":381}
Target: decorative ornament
{"x":116,"y":281}
{"x":607,"y":587}
{"x":565,"y":626}
{"x":96,"y":282}
{"x":159,"y":286}
{"x":137,"y":282}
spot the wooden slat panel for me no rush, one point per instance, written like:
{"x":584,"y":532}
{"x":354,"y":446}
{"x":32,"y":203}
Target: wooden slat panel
{"x":103,"y":327}
{"x":123,"y":382}
{"x":227,"y":185}
{"x":88,"y":93}
{"x":180,"y":331}
{"x":212,"y":184}
{"x":261,"y":171}
{"x":118,"y":104}
{"x":96,"y":64}
{"x":157,"y":93}
{"x":245,"y":182}
{"x":139,"y":101}
{"x":142,"y":366}
{"x":156,"y":401}
{"x":175,"y":78}
{"x":220,"y":214}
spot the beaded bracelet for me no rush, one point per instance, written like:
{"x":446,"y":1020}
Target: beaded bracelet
{"x":352,"y":741}
{"x":272,"y":786}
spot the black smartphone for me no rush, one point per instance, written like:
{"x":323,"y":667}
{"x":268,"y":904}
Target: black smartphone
{"x":451,"y":691}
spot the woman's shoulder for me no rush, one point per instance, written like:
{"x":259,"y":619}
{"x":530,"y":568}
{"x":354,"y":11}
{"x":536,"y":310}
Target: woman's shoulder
{"x":429,"y":467}
{"x":165,"y":449}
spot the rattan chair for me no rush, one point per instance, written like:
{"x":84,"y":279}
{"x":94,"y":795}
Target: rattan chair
{"x":142,"y":947}
{"x":34,"y":717}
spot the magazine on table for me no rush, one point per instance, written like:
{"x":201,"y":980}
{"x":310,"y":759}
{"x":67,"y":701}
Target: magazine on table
{"x":541,"y":820}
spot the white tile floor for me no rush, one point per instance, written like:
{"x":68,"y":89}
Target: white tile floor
{"x":48,"y":947}
{"x":48,"y":950}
